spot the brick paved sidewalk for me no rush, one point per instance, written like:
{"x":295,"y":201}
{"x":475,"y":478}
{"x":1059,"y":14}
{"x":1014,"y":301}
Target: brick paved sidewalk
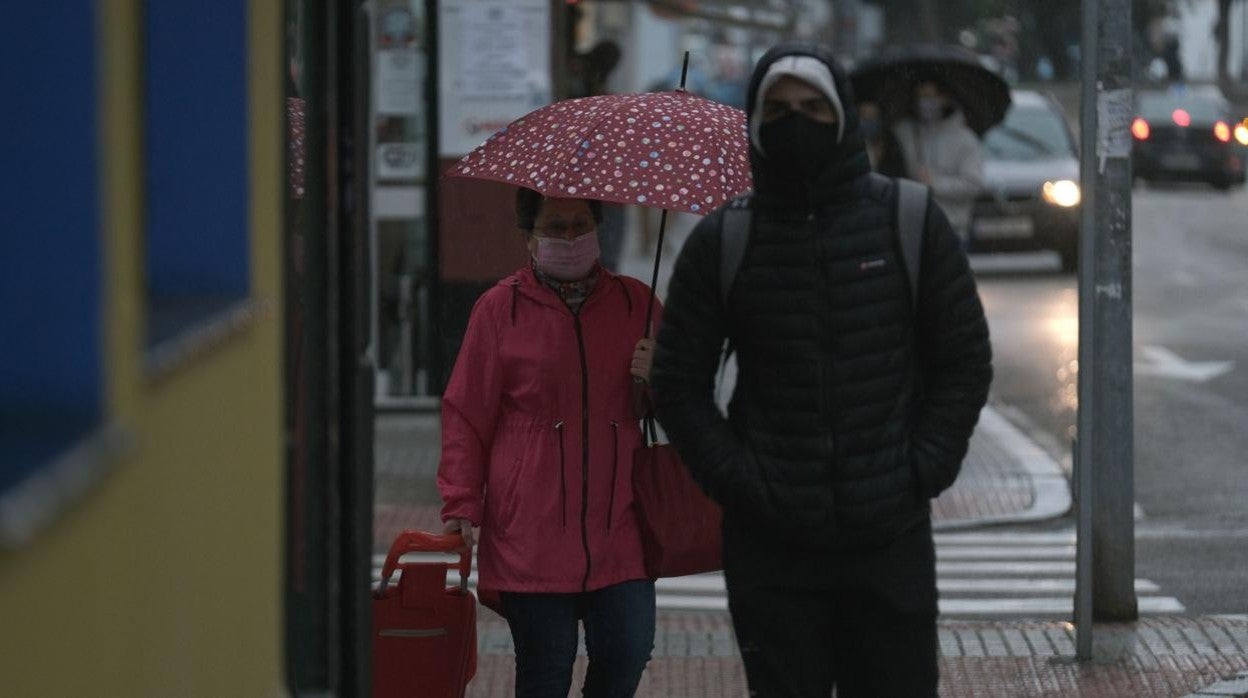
{"x":695,"y":656}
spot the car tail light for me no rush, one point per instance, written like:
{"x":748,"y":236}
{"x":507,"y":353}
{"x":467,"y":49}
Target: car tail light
{"x":1139,"y":129}
{"x":1241,"y":134}
{"x":1222,"y":132}
{"x":1181,"y":118}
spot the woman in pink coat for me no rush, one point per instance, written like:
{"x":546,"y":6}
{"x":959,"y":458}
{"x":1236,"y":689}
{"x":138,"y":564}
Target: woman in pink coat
{"x":538,"y":430}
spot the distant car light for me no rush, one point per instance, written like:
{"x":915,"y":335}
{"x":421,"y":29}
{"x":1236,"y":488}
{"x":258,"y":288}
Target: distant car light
{"x":1139,"y":129}
{"x":1222,"y":132}
{"x":1063,"y":192}
{"x":1241,"y":134}
{"x":1181,"y":118}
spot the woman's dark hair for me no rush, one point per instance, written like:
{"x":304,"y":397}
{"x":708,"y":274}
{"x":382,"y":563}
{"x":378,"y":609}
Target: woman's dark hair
{"x":529,"y":203}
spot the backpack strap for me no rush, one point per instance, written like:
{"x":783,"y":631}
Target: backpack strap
{"x":911,"y":220}
{"x":733,"y":235}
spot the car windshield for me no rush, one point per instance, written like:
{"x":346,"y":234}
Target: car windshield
{"x":1028,"y":133}
{"x":1160,"y":107}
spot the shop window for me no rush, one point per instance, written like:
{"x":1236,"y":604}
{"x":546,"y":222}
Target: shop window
{"x":196,"y":165}
{"x":50,"y":256}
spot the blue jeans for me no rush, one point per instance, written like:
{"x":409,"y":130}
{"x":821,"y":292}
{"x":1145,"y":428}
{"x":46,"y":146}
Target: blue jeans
{"x":619,"y":636}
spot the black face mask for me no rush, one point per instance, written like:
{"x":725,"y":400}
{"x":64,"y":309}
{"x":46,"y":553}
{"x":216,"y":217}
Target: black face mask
{"x":798,"y":147}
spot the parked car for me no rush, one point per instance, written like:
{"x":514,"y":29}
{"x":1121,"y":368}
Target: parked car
{"x":1031,"y":166}
{"x":1188,"y":134}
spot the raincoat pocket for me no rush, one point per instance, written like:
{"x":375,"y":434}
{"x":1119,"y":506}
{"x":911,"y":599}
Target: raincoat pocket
{"x":526,"y":488}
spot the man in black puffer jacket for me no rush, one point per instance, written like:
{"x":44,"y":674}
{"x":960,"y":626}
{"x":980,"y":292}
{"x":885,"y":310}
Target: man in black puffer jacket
{"x":854,"y":402}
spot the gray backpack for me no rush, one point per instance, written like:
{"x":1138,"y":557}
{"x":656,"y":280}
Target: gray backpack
{"x":911,"y":219}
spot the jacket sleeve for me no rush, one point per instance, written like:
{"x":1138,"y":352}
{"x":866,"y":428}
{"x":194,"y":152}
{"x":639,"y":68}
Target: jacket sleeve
{"x":469,"y":413}
{"x":686,"y":360}
{"x":954,"y":358}
{"x":968,"y":181}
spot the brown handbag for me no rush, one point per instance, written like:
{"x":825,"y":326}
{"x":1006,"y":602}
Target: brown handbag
{"x":680,"y":525}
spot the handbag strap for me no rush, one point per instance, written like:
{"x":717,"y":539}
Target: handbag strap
{"x":649,"y":432}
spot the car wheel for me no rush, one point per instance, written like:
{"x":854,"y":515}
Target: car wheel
{"x":1223,"y":184}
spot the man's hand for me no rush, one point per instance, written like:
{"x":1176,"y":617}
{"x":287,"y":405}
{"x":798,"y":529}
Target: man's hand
{"x":923,"y":175}
{"x":643,"y":358}
{"x":461,"y":526}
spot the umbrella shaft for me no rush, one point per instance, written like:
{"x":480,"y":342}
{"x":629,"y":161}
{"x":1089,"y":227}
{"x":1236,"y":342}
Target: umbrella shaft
{"x":654,"y":277}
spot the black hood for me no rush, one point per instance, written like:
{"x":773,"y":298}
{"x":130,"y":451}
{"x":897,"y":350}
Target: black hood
{"x":850,"y":160}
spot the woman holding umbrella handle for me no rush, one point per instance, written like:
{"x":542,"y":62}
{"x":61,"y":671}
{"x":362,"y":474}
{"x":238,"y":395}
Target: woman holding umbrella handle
{"x":538,"y":431}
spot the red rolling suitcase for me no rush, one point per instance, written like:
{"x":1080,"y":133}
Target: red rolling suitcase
{"x":424,"y":633}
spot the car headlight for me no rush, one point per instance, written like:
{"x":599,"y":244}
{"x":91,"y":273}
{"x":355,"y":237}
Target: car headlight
{"x":1063,"y":192}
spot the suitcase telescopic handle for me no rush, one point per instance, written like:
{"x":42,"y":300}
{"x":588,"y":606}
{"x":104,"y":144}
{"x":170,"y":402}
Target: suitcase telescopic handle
{"x":425,"y":542}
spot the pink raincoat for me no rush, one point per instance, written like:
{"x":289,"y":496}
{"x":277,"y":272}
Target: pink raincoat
{"x":538,"y":433}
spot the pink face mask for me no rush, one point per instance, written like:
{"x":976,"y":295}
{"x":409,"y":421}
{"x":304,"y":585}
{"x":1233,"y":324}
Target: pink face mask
{"x":567,"y":260}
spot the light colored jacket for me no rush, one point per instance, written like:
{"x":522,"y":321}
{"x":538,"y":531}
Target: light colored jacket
{"x":951,"y":153}
{"x":538,"y":433}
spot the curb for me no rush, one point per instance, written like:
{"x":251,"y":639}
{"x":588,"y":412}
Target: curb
{"x":1052,"y":498}
{"x":1231,"y":687}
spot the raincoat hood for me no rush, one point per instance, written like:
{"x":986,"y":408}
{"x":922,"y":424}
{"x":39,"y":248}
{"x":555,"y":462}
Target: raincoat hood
{"x":850,"y":159}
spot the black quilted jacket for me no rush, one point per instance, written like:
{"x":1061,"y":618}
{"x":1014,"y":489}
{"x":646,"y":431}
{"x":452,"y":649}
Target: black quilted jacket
{"x":853,"y":405}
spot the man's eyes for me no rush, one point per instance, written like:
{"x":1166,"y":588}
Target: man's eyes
{"x":816,"y":105}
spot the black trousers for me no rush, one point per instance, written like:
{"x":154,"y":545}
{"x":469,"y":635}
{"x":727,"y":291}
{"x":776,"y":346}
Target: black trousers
{"x":801,"y":644}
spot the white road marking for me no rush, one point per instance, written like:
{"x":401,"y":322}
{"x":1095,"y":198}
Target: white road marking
{"x":1159,"y":361}
{"x":980,"y":574}
{"x":1045,"y":552}
{"x":1184,"y":278}
{"x":1005,"y":567}
{"x":1006,"y":538}
{"x":1043,"y":606}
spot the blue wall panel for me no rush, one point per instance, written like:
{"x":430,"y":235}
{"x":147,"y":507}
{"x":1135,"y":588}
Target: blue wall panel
{"x":50,"y":240}
{"x":196,"y":146}
{"x":50,"y":263}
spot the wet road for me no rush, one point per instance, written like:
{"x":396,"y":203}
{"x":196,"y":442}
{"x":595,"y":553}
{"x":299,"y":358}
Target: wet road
{"x":1191,"y":388}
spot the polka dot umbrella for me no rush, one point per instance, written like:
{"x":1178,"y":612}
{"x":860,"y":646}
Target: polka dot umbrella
{"x":670,"y":150}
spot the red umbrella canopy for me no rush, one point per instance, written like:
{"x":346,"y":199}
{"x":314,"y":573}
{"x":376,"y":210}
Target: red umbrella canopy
{"x":670,"y":150}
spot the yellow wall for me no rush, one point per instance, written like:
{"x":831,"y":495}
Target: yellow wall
{"x":166,"y":579}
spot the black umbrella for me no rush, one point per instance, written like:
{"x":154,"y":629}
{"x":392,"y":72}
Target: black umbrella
{"x":889,"y":80}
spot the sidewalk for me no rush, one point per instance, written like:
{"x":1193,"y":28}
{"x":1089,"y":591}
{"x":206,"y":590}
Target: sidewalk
{"x":1005,"y":479}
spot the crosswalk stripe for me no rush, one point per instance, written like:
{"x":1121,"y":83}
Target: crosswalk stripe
{"x":989,"y":585}
{"x":1005,"y":538}
{"x":980,"y":574}
{"x":1004,"y":567}
{"x":1037,"y":606}
{"x":1045,"y":552}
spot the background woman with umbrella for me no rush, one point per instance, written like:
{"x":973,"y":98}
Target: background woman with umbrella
{"x":939,"y":100}
{"x":942,"y":152}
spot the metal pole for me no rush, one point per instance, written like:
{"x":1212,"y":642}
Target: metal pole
{"x":1087,"y":249}
{"x":1105,"y":441}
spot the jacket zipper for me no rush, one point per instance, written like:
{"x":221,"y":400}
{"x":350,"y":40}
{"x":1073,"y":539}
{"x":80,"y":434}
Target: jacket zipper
{"x":615,"y":467}
{"x":580,"y":342}
{"x":563,"y":479}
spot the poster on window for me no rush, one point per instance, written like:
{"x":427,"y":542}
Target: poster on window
{"x":400,"y":72}
{"x":494,"y":66}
